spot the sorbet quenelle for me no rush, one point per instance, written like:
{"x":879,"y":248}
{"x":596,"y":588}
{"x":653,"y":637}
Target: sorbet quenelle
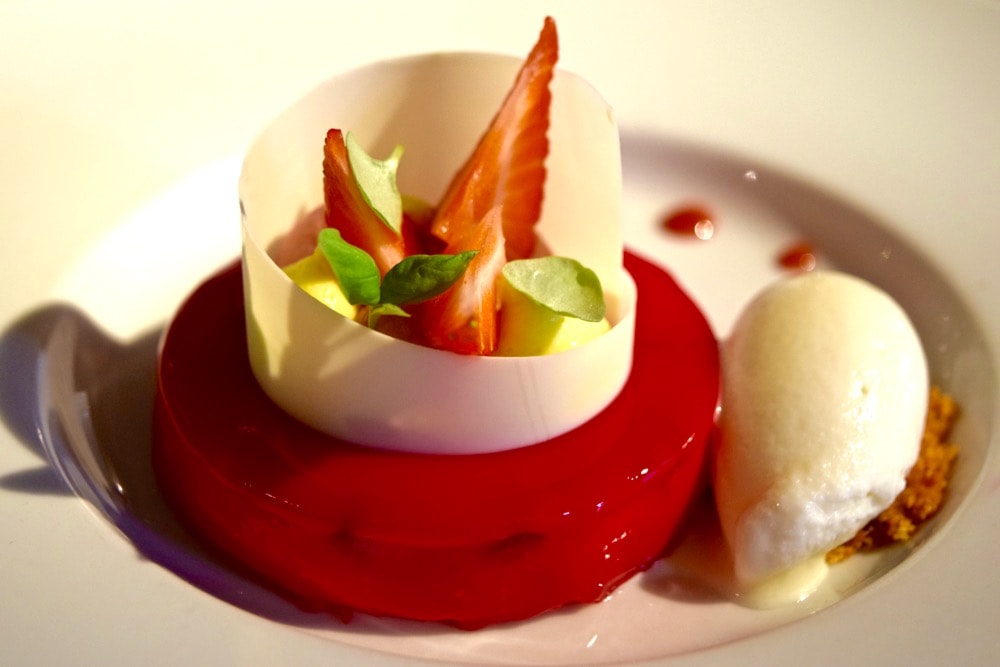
{"x":825,"y":389}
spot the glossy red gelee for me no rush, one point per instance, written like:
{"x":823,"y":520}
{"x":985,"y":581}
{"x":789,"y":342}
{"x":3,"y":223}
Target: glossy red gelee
{"x":470,"y":540}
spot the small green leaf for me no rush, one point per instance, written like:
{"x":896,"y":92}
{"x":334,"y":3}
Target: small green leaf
{"x":563,"y":285}
{"x":377,"y":181}
{"x":354,"y":268}
{"x":421,"y":277}
{"x":375,"y":312}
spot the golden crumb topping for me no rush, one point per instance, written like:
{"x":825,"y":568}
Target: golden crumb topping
{"x":926,"y":485}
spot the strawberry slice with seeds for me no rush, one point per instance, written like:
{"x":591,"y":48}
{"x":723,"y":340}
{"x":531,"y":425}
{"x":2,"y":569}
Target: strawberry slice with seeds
{"x":348,"y":212}
{"x":507,"y":167}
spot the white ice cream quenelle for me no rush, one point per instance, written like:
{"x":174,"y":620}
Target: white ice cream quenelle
{"x":360,"y":385}
{"x":824,"y":398}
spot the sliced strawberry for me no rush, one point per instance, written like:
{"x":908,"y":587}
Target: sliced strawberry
{"x":417,"y":238}
{"x":507,"y":168}
{"x":464,"y":318}
{"x":492,"y":206}
{"x":347,"y":210}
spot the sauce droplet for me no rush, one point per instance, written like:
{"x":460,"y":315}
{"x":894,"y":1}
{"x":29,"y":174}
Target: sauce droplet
{"x":800,"y":256}
{"x":690,"y":221}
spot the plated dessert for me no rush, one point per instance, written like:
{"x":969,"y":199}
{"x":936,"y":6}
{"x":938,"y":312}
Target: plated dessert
{"x":400,"y":408}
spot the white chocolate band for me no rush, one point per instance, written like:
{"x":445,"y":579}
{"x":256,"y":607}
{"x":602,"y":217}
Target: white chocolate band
{"x":360,"y":385}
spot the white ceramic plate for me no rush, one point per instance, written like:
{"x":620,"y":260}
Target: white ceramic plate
{"x":875,"y":205}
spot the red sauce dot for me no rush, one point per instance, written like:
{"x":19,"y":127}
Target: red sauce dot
{"x":799,"y":256}
{"x":690,"y":221}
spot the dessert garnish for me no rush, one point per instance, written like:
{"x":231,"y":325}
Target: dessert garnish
{"x":926,"y":485}
{"x":692,"y":220}
{"x":799,"y":256}
{"x":414,"y":279}
{"x":562,"y":286}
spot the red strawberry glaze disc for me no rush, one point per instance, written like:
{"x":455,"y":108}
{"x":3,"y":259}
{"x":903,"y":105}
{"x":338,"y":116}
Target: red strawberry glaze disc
{"x":470,"y":540}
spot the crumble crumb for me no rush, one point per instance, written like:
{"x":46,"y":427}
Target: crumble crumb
{"x":926,"y":485}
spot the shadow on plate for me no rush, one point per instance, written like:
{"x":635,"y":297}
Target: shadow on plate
{"x":84,"y":402}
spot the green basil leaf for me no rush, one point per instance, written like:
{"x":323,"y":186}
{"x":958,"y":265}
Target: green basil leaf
{"x":563,"y":285}
{"x":377,"y":181}
{"x":354,"y":268}
{"x":421,"y":277}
